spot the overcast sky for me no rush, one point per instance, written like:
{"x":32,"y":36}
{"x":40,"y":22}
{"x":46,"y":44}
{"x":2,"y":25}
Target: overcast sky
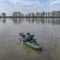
{"x":27,"y":6}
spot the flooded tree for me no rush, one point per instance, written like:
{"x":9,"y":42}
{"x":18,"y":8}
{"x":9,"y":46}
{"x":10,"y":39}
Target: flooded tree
{"x":53,"y":13}
{"x":32,"y":14}
{"x":38,"y":14}
{"x":17,"y":14}
{"x":43,"y":14}
{"x":29,"y":14}
{"x":49,"y":13}
{"x":4,"y":14}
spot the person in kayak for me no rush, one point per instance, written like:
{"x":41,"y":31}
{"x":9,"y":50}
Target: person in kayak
{"x":29,"y":38}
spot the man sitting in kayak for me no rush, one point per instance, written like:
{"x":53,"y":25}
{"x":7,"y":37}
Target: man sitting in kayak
{"x":29,"y":38}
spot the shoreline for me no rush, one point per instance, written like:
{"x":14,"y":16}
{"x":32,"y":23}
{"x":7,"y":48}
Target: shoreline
{"x":28,"y":17}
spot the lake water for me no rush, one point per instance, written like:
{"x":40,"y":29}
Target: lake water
{"x":46,"y":31}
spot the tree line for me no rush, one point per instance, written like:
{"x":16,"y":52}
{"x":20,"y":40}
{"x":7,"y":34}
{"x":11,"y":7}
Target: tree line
{"x":37,"y":14}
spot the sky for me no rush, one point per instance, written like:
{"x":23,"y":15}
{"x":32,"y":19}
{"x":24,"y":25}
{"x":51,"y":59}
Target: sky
{"x":27,"y":6}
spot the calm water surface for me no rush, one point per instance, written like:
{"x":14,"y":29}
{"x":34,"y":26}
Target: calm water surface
{"x":46,"y":31}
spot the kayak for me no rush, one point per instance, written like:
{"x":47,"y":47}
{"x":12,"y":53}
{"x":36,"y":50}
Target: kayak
{"x":34,"y":45}
{"x":31,"y":43}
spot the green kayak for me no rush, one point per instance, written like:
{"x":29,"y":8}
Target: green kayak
{"x":34,"y":45}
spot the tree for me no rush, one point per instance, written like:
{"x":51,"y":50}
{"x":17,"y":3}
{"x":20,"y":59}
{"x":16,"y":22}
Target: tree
{"x":38,"y":14}
{"x":49,"y":13}
{"x":43,"y":13}
{"x":53,"y":13}
{"x":15,"y":14}
{"x":33,"y":14}
{"x":3,"y":14}
{"x":29,"y":14}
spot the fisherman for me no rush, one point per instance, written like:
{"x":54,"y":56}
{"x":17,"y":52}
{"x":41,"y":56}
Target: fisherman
{"x":29,"y":37}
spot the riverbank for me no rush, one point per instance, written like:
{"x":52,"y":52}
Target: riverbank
{"x":29,"y":17}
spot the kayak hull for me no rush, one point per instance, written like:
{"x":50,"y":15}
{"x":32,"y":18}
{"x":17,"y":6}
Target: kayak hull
{"x":34,"y":45}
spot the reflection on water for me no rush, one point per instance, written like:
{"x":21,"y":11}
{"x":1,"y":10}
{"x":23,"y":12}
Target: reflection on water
{"x":3,"y":20}
{"x":44,"y":20}
{"x":46,"y":31}
{"x":33,"y":20}
{"x":17,"y":20}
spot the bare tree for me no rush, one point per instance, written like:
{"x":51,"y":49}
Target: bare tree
{"x":38,"y":14}
{"x":43,"y":13}
{"x":15,"y":14}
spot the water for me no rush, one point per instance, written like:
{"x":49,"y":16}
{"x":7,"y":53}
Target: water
{"x":46,"y":31}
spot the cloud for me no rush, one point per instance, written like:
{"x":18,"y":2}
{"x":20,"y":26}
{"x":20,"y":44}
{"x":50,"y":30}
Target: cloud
{"x":25,"y":2}
{"x":27,"y":6}
{"x":15,"y":1}
{"x":54,"y":2}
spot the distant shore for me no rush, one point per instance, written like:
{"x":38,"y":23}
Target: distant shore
{"x":29,"y":17}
